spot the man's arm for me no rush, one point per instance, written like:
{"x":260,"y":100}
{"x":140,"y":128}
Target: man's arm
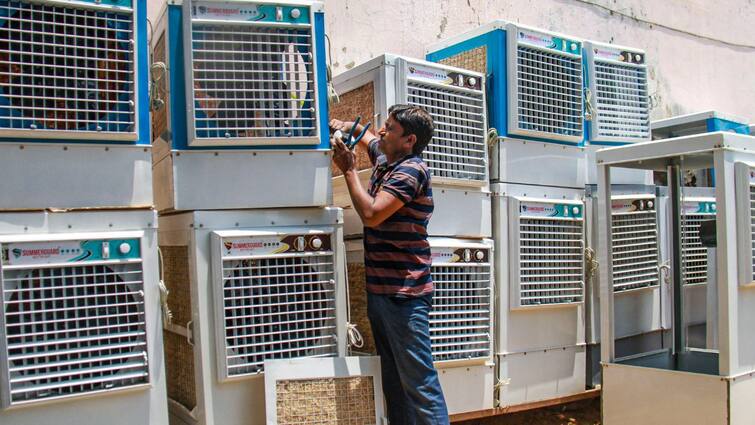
{"x":372,"y":210}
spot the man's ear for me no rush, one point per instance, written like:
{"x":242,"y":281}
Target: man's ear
{"x":412,"y":140}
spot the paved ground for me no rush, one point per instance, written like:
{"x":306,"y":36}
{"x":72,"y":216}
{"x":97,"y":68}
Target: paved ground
{"x":586,"y":412}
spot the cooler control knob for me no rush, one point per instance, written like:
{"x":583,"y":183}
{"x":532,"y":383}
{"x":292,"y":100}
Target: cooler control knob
{"x":124,"y":248}
{"x":479,"y":255}
{"x":472,"y":81}
{"x":650,"y":204}
{"x":573,"y":46}
{"x":712,"y":207}
{"x":467,"y":255}
{"x":575,"y":210}
{"x":637,"y":58}
{"x":295,"y":13}
{"x":300,"y":243}
{"x":316,"y":243}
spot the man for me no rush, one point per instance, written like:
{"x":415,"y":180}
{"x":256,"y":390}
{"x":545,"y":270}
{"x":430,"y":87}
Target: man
{"x":395,"y":210}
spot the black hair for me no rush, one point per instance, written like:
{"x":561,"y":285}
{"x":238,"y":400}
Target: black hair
{"x":414,"y":120}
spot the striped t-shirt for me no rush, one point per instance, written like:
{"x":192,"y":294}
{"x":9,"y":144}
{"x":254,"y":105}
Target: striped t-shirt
{"x":396,"y":253}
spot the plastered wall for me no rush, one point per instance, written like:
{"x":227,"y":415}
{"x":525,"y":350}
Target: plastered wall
{"x":701,"y":54}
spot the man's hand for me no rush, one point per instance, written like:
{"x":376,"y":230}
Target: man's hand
{"x":344,"y":158}
{"x":345,"y":127}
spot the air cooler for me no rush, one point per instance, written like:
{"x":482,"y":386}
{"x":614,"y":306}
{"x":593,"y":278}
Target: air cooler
{"x":461,"y":319}
{"x":457,"y":155}
{"x":640,"y":261}
{"x":80,"y":335}
{"x":535,"y":79}
{"x":246,"y":287}
{"x":539,"y":262}
{"x":241,"y":98}
{"x":617,"y":92}
{"x":74,"y":120}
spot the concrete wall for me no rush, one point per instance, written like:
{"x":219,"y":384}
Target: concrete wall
{"x":701,"y":54}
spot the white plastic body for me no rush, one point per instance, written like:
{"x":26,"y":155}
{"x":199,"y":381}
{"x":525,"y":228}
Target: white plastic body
{"x":70,"y":175}
{"x":145,"y":404}
{"x":240,"y":401}
{"x":540,"y":350}
{"x":529,"y":162}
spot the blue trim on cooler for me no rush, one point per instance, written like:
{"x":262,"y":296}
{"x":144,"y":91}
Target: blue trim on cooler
{"x":178,"y":96}
{"x":496,"y":85}
{"x":718,"y":124}
{"x":141,"y":78}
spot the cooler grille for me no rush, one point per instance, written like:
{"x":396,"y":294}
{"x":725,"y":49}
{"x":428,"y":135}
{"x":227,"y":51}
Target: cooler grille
{"x":279,"y":307}
{"x":66,"y":68}
{"x":549,"y":97}
{"x":457,"y":149}
{"x":622,"y":101}
{"x":550,"y":261}
{"x":253,"y":82}
{"x":73,"y":330}
{"x":635,"y":249}
{"x":460,"y":318}
{"x":694,"y":254}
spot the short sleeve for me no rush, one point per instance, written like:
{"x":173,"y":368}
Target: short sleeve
{"x":407,"y":181}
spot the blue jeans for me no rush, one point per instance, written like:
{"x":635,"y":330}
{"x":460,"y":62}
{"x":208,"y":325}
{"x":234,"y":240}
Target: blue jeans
{"x":411,"y":387}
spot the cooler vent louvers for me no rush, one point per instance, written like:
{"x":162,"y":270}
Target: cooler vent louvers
{"x":694,"y":254}
{"x":279,"y":307}
{"x":66,"y":69}
{"x":460,"y":318}
{"x":622,"y":101}
{"x":457,"y":149}
{"x":635,"y":249}
{"x":549,"y":97}
{"x":73,"y":329}
{"x":253,"y":81}
{"x":550,"y":261}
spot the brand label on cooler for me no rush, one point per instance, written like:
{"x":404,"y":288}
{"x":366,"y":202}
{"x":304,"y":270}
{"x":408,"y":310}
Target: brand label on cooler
{"x":537,"y":39}
{"x":269,"y":245}
{"x":617,"y":55}
{"x":237,"y":11}
{"x":441,"y":76}
{"x":632,"y":205}
{"x":31,"y":253}
{"x":445,"y":255}
{"x":699,"y":207}
{"x":543,"y":209}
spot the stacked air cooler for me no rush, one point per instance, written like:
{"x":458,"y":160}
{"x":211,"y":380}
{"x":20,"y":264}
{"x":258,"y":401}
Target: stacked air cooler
{"x":618,"y":113}
{"x":461,"y":326}
{"x":253,"y":256}
{"x":535,"y":95}
{"x":80,"y":323}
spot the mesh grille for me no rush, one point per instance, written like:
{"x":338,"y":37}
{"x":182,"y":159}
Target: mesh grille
{"x":635,"y":249}
{"x":460,"y":318}
{"x":457,"y":149}
{"x":549,"y":97}
{"x":74,"y":329}
{"x":66,"y":69}
{"x":694,"y":254}
{"x":550,"y":261}
{"x":277,"y":308}
{"x":253,"y":82}
{"x":622,"y":101}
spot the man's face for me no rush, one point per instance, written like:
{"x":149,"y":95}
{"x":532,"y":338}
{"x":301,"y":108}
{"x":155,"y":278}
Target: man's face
{"x":393,"y":142}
